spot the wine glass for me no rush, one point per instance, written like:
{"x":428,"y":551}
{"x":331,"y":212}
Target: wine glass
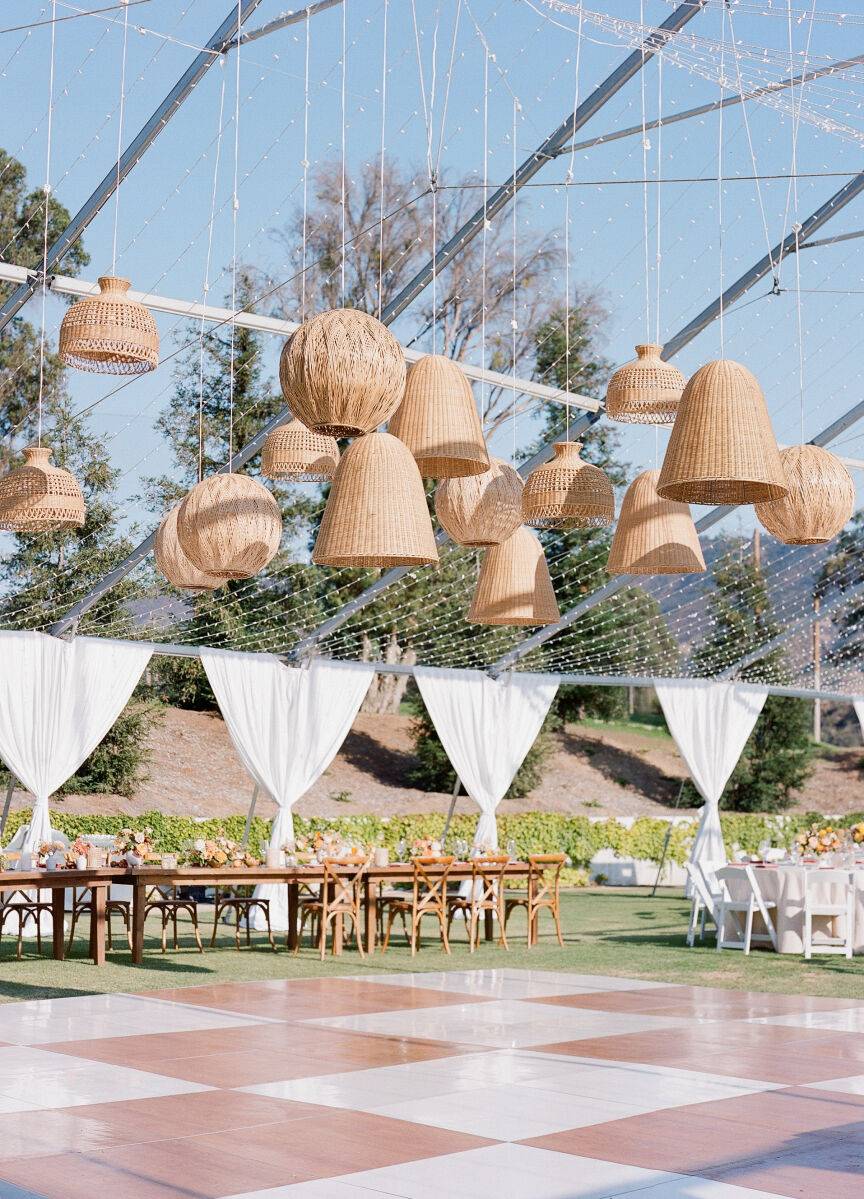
{"x":401,"y":849}
{"x":511,"y":849}
{"x":764,"y":849}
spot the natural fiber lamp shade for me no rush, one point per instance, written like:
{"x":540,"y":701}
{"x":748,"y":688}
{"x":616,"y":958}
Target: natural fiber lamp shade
{"x":174,"y":564}
{"x":109,"y":333}
{"x":722,"y":448}
{"x":229,"y":526}
{"x":481,"y":509}
{"x":294,"y":452}
{"x":39,"y":497}
{"x":514,"y":586}
{"x":654,"y":536}
{"x":645,"y":392}
{"x":820,"y":500}
{"x":342,"y":373}
{"x":567,"y":493}
{"x":439,"y":422}
{"x":376,"y":513}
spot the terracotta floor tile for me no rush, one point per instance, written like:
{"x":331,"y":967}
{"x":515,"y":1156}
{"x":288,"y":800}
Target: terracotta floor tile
{"x":792,"y":1110}
{"x":68,"y":1130}
{"x":832,"y":1170}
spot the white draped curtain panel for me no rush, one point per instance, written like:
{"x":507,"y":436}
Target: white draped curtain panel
{"x":710,"y":722}
{"x":858,"y":705}
{"x":287,"y":724}
{"x":486,"y":727}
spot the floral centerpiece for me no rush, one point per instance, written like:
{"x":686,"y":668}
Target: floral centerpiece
{"x":78,"y":849}
{"x":219,"y":851}
{"x":424,"y":847}
{"x":857,"y":832}
{"x":47,"y":849}
{"x":134,"y":841}
{"x":818,"y":840}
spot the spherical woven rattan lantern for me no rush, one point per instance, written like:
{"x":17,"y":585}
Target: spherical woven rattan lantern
{"x":342,"y":373}
{"x":376,"y":513}
{"x":654,"y":536}
{"x":514,"y":586}
{"x":294,"y":452}
{"x":722,"y":448}
{"x":820,"y":500}
{"x":39,"y":497}
{"x":229,"y":526}
{"x":645,"y":392}
{"x":567,"y":493}
{"x":174,"y":564}
{"x":481,"y":509}
{"x":109,"y":333}
{"x":439,"y":422}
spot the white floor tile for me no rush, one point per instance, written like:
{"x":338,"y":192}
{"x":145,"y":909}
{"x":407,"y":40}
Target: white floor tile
{"x":688,"y":1187}
{"x":495,"y":984}
{"x":842,"y":1020}
{"x":844,"y":1086}
{"x":34,"y":1077}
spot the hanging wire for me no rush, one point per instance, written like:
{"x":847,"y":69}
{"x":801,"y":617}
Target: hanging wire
{"x":206,"y":288}
{"x":570,"y":170}
{"x":485,"y":223}
{"x":308,"y":24}
{"x":343,"y":200}
{"x":645,"y":144}
{"x":796,"y":120}
{"x":120,"y":135}
{"x":514,"y":324}
{"x":659,"y":252}
{"x":720,"y":184}
{"x":381,"y":162}
{"x":235,"y":207}
{"x":47,"y":220}
{"x":428,"y":111}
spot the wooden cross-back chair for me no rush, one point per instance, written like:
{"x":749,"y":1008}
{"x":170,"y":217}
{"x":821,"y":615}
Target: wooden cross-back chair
{"x":487,"y":895}
{"x":544,"y":880}
{"x":82,"y":905}
{"x":428,"y":898}
{"x":164,"y":900}
{"x":25,"y":905}
{"x":339,"y":897}
{"x":242,"y":901}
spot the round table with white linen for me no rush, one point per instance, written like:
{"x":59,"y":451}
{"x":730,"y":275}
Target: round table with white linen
{"x":783,"y":885}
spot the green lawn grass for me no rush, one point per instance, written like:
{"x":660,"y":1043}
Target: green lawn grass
{"x":619,"y":932}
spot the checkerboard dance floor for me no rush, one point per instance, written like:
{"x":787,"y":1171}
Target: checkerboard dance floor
{"x":477,"y":1085}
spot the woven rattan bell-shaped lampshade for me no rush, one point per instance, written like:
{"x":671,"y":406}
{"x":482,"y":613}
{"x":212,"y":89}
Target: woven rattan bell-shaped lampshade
{"x":481,"y":509}
{"x":439,"y":422}
{"x":567,"y":493}
{"x":294,"y":452}
{"x":654,"y":536}
{"x":514,"y":585}
{"x":109,"y":333}
{"x":229,"y":526}
{"x":174,"y":564}
{"x":342,"y":373}
{"x":645,"y":392}
{"x":39,"y":497}
{"x":819,"y":502}
{"x":376,"y":513}
{"x":722,"y":448}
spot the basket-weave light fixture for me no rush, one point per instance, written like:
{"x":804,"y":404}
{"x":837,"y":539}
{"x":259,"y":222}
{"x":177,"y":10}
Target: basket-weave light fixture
{"x":376,"y":513}
{"x":109,"y":333}
{"x":481,"y":509}
{"x":820,"y":500}
{"x":294,"y":452}
{"x":439,"y":422}
{"x":39,"y":497}
{"x":654,"y":536}
{"x":514,"y":586}
{"x":722,"y":448}
{"x":567,"y":493}
{"x":173,"y":563}
{"x":229,"y":526}
{"x":342,"y":373}
{"x":645,"y":392}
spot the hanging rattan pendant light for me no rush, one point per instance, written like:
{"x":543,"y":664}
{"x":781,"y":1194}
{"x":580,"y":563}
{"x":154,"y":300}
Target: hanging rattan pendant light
{"x":342,"y":373}
{"x":439,"y":422}
{"x":481,"y":509}
{"x":654,"y":536}
{"x":229,"y":526}
{"x":376,"y":513}
{"x":294,"y":452}
{"x":109,"y":333}
{"x":173,"y":562}
{"x":39,"y":497}
{"x":820,"y":500}
{"x":514,"y":586}
{"x":722,"y":448}
{"x":567,"y":493}
{"x":645,"y":392}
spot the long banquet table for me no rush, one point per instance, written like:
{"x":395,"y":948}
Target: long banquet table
{"x":784,"y":885}
{"x":56,"y":881}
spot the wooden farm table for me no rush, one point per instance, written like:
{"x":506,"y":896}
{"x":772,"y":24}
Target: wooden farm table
{"x":56,"y":881}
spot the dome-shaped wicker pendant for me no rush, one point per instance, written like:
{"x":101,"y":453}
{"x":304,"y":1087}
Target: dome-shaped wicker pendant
{"x":294,"y":452}
{"x":109,"y":333}
{"x":342,"y":373}
{"x":654,"y":536}
{"x":645,"y":392}
{"x":38,"y":497}
{"x":722,"y":448}
{"x":819,"y":502}
{"x":376,"y":513}
{"x":567,"y":493}
{"x":514,"y":586}
{"x":481,"y":509}
{"x":229,"y":526}
{"x":174,"y":564}
{"x":439,"y":422}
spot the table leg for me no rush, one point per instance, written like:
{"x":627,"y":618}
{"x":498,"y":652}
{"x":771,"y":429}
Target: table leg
{"x":293,"y":912}
{"x":339,"y":933}
{"x":488,"y":929}
{"x":58,"y":917}
{"x":371,"y":897}
{"x":97,"y":925}
{"x":139,"y":900}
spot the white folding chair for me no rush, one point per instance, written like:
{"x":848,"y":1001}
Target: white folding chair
{"x":840,"y":885}
{"x":729,"y":909}
{"x":706,"y":898}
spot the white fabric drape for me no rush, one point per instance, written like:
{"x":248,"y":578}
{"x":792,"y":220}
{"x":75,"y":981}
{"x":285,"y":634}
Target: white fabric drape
{"x":858,"y":705}
{"x":486,"y":727}
{"x":58,"y":699}
{"x":287,"y":724}
{"x":710,"y":722}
